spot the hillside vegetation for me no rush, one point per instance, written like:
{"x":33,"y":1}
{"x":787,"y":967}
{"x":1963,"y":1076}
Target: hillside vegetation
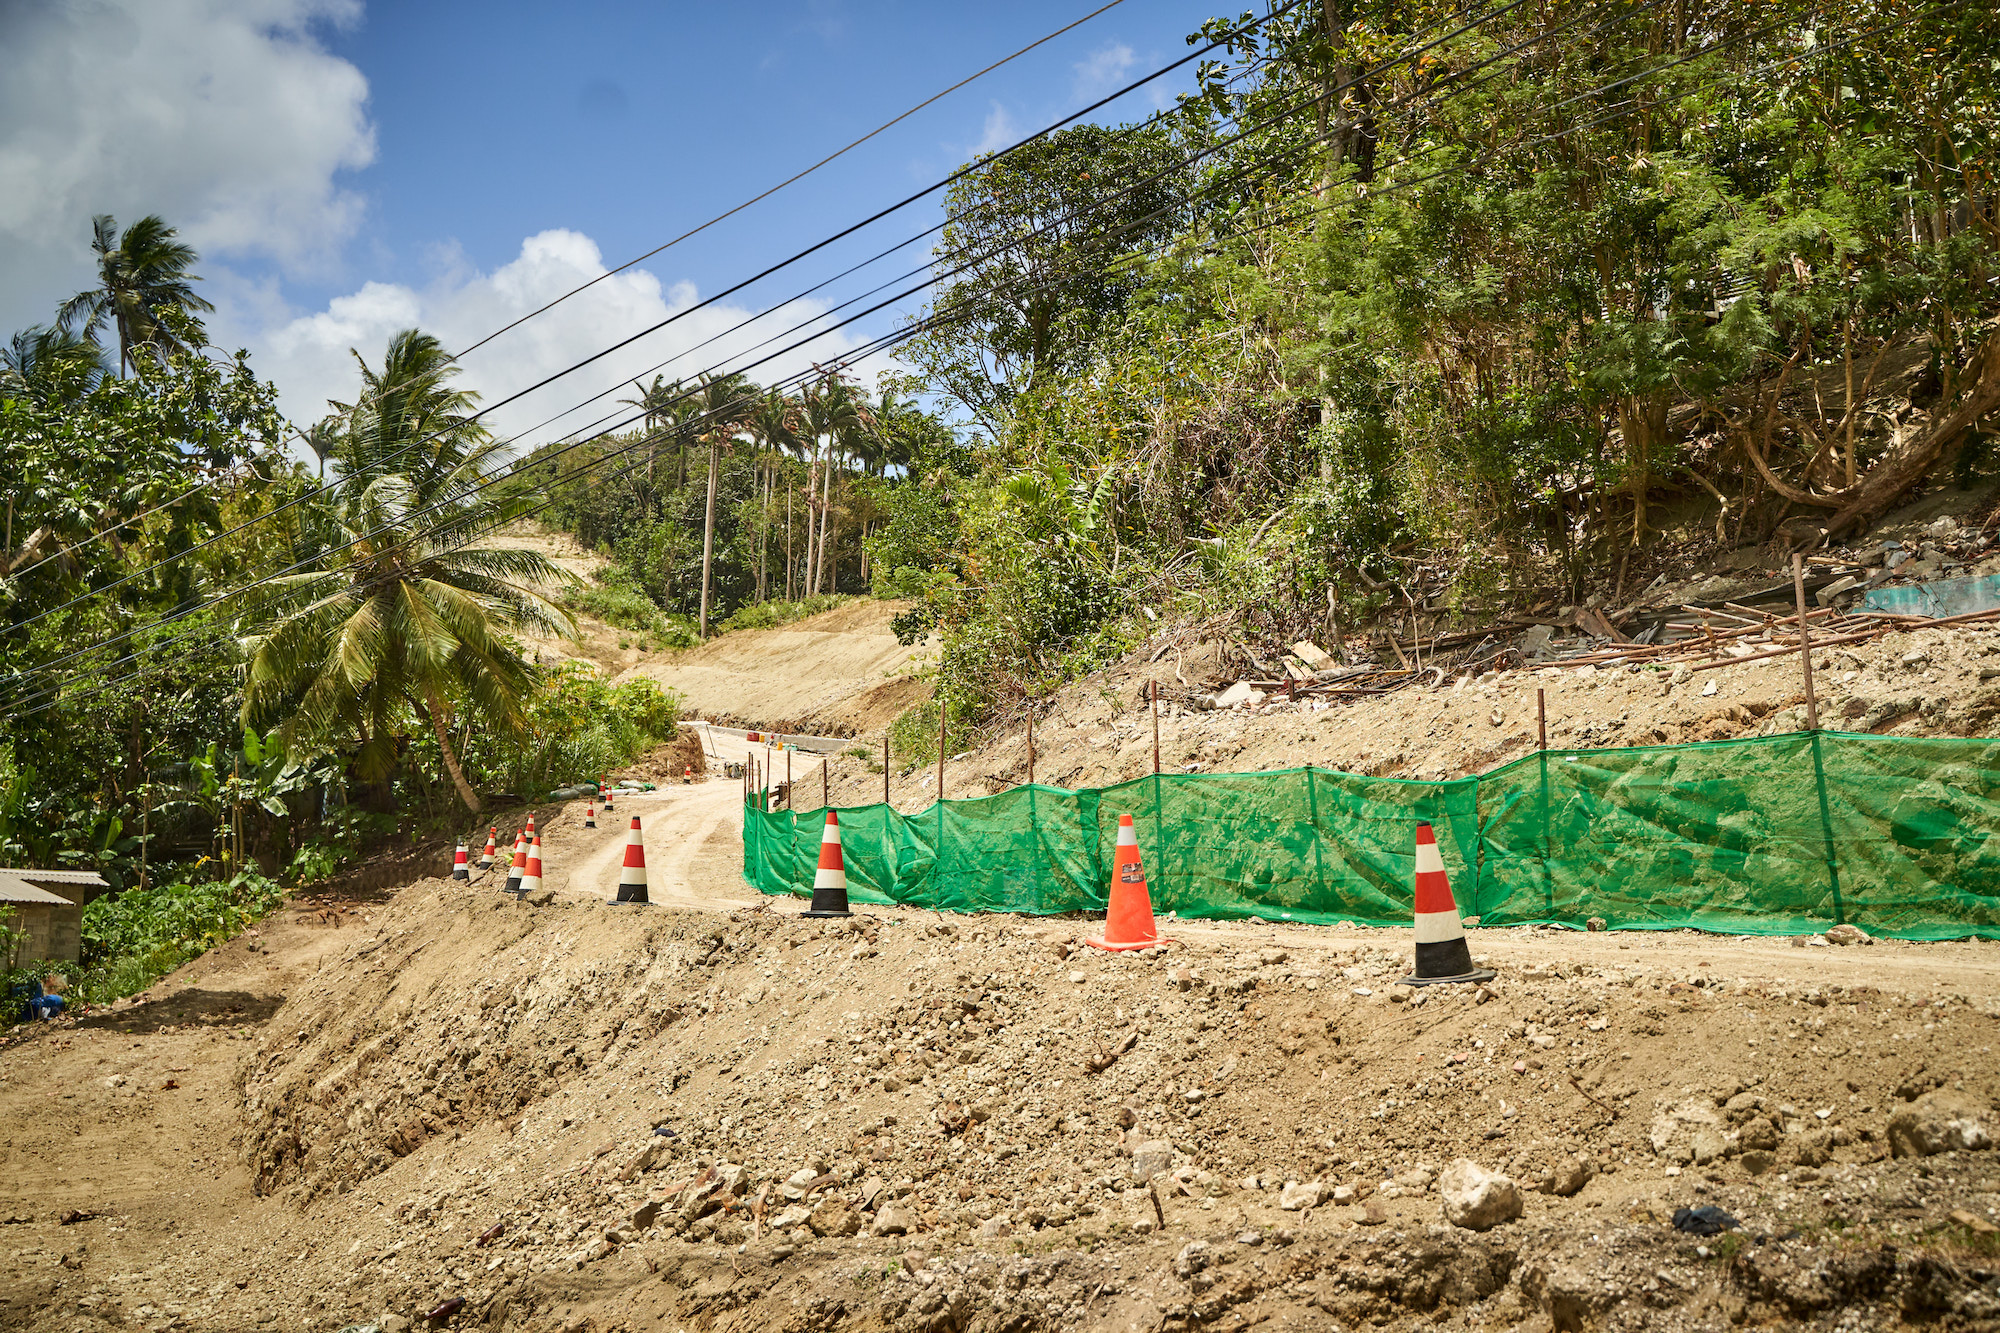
{"x":1408,"y":312}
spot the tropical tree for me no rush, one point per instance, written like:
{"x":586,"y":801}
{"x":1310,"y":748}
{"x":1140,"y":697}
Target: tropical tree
{"x":725,"y":403}
{"x":49,"y":365}
{"x":140,"y":274}
{"x":406,"y":613}
{"x":774,"y":425}
{"x":664,"y":402}
{"x":323,"y":438}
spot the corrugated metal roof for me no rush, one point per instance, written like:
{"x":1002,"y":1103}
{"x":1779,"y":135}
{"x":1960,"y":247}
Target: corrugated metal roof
{"x":57,"y":876}
{"x":18,"y":885}
{"x":14,"y":890}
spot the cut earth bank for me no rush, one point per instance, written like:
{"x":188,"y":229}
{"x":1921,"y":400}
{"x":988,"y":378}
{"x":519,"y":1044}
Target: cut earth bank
{"x":572,"y":1116}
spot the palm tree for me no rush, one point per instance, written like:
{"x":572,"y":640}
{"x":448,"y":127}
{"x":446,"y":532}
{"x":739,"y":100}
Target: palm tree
{"x":774,"y":425}
{"x":323,"y":438}
{"x":48,"y":364}
{"x":725,"y":402}
{"x":410,"y":615}
{"x":140,"y":275}
{"x":663,"y":400}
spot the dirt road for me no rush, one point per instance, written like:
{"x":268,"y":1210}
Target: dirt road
{"x":693,"y":834}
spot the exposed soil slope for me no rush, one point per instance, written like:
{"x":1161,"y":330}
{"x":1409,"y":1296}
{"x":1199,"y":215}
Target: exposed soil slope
{"x":358,"y":1103}
{"x":840,"y":673}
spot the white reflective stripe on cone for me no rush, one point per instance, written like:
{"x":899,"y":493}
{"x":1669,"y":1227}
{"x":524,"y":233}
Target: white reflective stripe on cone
{"x":1428,"y":859}
{"x":1437,"y":927}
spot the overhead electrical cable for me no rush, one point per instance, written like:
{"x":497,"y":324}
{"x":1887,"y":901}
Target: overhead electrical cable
{"x":730,"y":291}
{"x":497,"y":477}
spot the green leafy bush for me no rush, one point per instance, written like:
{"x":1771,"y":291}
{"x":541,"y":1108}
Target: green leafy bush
{"x":770,"y":615}
{"x":131,"y":939}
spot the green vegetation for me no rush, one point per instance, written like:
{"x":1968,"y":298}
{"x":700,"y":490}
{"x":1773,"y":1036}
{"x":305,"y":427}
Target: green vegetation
{"x":1398,"y":317}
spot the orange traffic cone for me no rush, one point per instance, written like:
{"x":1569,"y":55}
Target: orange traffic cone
{"x":486,"y":857}
{"x":1128,"y":922}
{"x":531,"y":872}
{"x":590,"y":815}
{"x":830,"y":880}
{"x":519,"y":862}
{"x":460,"y":868}
{"x":531,"y":826}
{"x":1442,"y":955}
{"x":632,"y":878}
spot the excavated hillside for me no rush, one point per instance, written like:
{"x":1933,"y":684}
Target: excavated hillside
{"x":559,"y":1114}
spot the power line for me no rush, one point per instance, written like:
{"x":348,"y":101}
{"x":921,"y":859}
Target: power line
{"x":500,"y":477}
{"x":730,"y":291}
{"x":549,"y":460}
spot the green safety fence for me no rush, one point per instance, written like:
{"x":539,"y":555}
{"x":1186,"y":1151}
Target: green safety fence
{"x":1777,"y":835}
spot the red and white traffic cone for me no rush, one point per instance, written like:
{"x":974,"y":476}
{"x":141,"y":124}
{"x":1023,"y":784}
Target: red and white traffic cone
{"x":531,"y":827}
{"x":610,"y":797}
{"x":531,"y":872}
{"x":830,"y":880}
{"x":1128,"y":916}
{"x":518,"y":864}
{"x":632,"y":878}
{"x":687,"y":775}
{"x":486,"y":857}
{"x":460,"y":868}
{"x":1442,"y":955}
{"x":590,"y":815}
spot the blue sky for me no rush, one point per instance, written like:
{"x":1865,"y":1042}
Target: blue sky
{"x":347,"y":169}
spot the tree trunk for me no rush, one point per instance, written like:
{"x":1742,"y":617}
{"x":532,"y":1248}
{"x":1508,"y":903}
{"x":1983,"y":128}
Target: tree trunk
{"x":1886,"y":483}
{"x":708,"y":531}
{"x":438,"y":724}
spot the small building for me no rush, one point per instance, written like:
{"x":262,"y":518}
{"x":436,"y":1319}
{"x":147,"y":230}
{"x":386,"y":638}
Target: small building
{"x":50,"y":921}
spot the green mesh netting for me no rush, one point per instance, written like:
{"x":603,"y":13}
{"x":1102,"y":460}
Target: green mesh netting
{"x":1781,"y":835}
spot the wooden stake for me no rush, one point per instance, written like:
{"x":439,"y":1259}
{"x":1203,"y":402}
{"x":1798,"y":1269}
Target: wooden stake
{"x":940,"y":746}
{"x":1542,"y":715}
{"x":1805,"y":639}
{"x":790,"y":804}
{"x":1031,"y":749}
{"x":1156,"y":724}
{"x":825,"y":762}
{"x":885,"y":768}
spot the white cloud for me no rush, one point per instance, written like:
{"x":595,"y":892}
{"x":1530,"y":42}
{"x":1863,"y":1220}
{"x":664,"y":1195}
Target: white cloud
{"x":1000,"y":132}
{"x":307,"y":355}
{"x":226,"y":117}
{"x":1106,"y":69}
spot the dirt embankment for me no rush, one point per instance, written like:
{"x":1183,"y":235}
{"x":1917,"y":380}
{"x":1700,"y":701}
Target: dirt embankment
{"x":840,"y":673}
{"x":580,"y":1116}
{"x":1936,"y":682}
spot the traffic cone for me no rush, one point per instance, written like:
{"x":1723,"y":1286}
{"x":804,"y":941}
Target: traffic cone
{"x":1128,"y":922}
{"x":632,"y":878}
{"x":531,"y":827}
{"x":610,"y":801}
{"x":830,"y":880}
{"x":459,"y":868}
{"x":590,"y":815}
{"x":1442,"y":955}
{"x":531,"y":872}
{"x":519,"y":862}
{"x":687,"y":775}
{"x":486,"y":857}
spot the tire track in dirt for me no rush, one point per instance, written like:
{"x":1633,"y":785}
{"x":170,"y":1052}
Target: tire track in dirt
{"x":693,"y":836}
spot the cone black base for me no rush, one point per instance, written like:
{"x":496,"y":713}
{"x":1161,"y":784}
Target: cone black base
{"x":828,"y":902}
{"x":1444,"y":963}
{"x":632,"y":894}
